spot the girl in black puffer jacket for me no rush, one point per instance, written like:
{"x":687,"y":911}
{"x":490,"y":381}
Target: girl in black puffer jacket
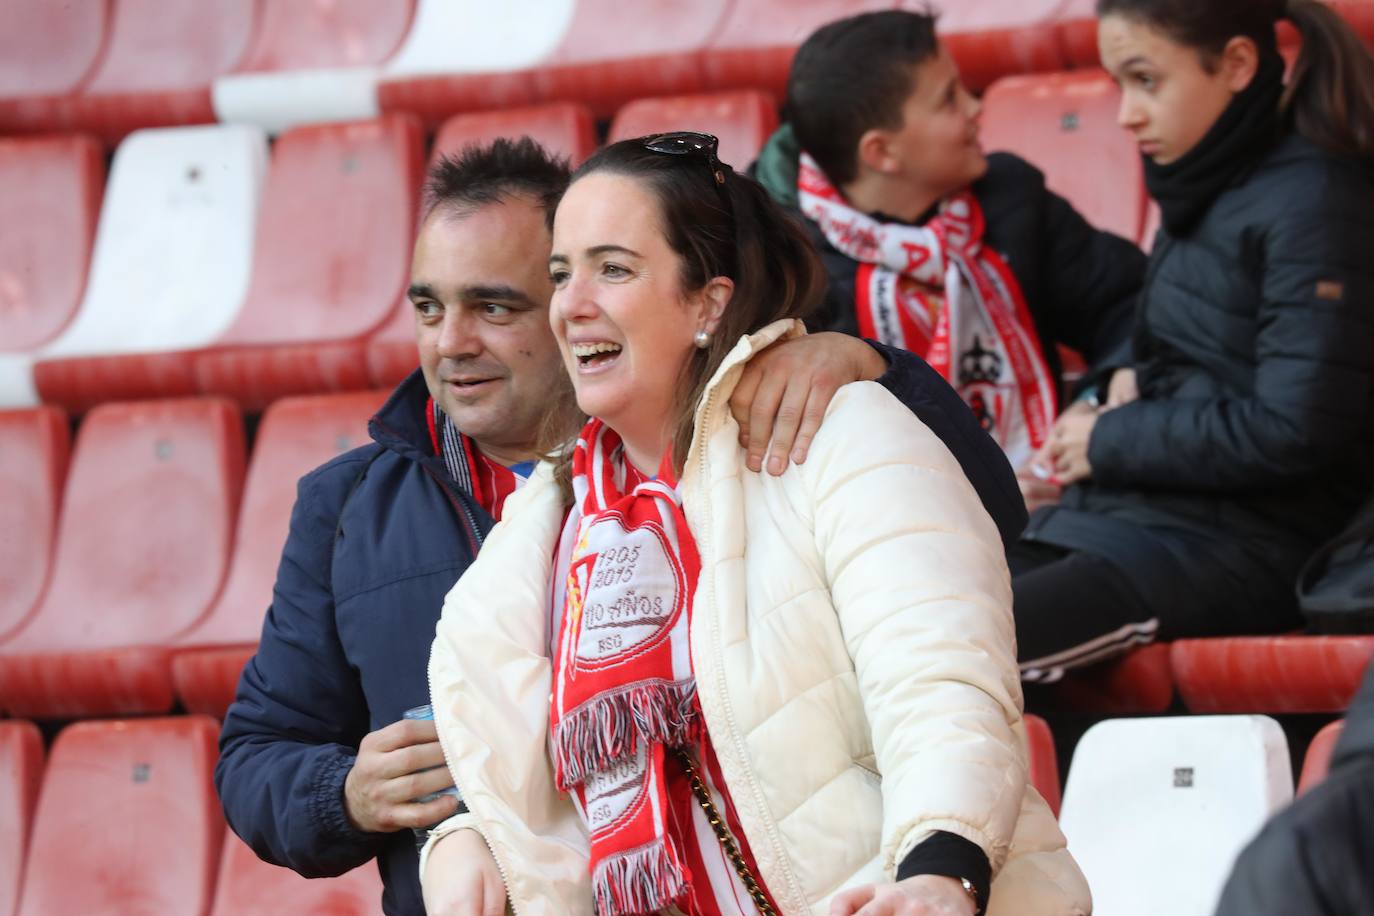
{"x":1240,"y":438}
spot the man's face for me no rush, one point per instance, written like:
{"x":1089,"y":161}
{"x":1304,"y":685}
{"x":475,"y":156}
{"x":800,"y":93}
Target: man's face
{"x":480,"y":285}
{"x":937,"y":144}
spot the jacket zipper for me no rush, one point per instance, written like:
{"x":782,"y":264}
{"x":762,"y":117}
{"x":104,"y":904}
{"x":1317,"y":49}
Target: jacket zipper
{"x":477,"y":539}
{"x":480,"y":818}
{"x":703,"y":538}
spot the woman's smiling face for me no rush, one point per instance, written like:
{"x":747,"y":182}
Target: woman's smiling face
{"x":623,"y":322}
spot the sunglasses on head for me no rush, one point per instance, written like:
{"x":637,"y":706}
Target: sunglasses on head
{"x":688,"y":143}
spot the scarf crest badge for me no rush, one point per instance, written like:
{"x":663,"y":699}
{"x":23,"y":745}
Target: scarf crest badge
{"x":623,"y":687}
{"x":938,"y":291}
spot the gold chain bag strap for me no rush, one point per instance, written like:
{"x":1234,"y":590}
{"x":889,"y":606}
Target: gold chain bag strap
{"x":727,"y":842}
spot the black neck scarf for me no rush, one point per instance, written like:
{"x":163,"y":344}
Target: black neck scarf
{"x":1246,"y":130}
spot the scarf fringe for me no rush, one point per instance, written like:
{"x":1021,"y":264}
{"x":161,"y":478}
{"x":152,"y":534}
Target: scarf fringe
{"x":609,"y":727}
{"x":638,"y":881}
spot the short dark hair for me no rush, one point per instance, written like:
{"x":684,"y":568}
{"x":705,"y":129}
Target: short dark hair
{"x":480,"y":175}
{"x":852,"y":76}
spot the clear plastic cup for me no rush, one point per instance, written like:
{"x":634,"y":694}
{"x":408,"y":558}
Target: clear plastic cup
{"x":426,"y":713}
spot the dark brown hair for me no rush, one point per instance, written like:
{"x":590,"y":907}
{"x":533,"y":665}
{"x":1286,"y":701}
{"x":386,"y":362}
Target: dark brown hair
{"x":852,"y":76}
{"x":1330,"y":94}
{"x":732,"y":230}
{"x":479,"y":175}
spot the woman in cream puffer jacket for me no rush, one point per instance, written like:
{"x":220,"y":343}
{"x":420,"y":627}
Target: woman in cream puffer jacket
{"x":844,"y":671}
{"x":857,"y":672}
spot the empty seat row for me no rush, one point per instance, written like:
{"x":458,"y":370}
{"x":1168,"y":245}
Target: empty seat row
{"x":159,"y":562}
{"x":113,"y":66}
{"x":124,"y":819}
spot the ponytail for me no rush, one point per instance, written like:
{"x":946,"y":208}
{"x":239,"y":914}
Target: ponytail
{"x":1330,"y":93}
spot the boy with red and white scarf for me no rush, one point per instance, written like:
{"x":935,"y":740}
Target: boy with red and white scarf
{"x":965,"y":259}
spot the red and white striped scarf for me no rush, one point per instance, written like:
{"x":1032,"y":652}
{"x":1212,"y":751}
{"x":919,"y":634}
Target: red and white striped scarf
{"x":938,"y":291}
{"x":624,"y":691}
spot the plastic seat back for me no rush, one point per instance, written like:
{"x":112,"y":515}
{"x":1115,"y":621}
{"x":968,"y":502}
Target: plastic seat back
{"x":296,"y":435}
{"x":1317,"y":761}
{"x":656,"y":51}
{"x":159,"y":62}
{"x":128,"y":823}
{"x":1156,"y":810}
{"x":563,"y":128}
{"x":754,"y":45}
{"x":1065,"y":125}
{"x":21,"y":771}
{"x":741,"y":120}
{"x":313,"y":62}
{"x":173,"y":256}
{"x":472,"y":55}
{"x":146,"y":529}
{"x":1273,"y":674}
{"x":47,"y":51}
{"x":331,"y":259}
{"x":34,"y":447}
{"x":248,"y":886}
{"x":995,"y":38}
{"x":1043,"y":759}
{"x":50,"y":191}
{"x":291,"y":35}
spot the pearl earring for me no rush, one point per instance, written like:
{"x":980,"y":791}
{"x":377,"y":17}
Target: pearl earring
{"x":702,"y":339}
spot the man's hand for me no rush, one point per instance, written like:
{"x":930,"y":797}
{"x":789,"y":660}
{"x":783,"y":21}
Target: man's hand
{"x":461,"y":878}
{"x":785,"y":390}
{"x":923,"y":895}
{"x":1038,"y":491}
{"x":392,"y":769}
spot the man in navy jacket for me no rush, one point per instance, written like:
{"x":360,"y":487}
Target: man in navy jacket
{"x":317,"y":771}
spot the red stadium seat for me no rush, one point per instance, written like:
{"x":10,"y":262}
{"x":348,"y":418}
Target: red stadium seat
{"x":563,"y":128}
{"x":291,"y":35}
{"x":175,"y":238}
{"x":50,"y":191}
{"x":994,"y":38}
{"x":295,"y":436}
{"x":47,"y":52}
{"x":1065,"y":124}
{"x":1078,"y":32}
{"x":332,"y":255}
{"x":248,"y":886}
{"x":127,"y":821}
{"x":313,"y":62}
{"x":754,"y":46}
{"x":21,"y":771}
{"x":656,"y":50}
{"x":1318,"y":758}
{"x":144,"y":540}
{"x":1139,"y":682}
{"x":1044,"y":761}
{"x":471,"y":55}
{"x":34,"y":446}
{"x":1271,"y":674}
{"x":742,"y":120}
{"x":158,"y":65}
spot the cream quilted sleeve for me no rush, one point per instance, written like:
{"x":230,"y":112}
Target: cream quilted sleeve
{"x":919,"y":582}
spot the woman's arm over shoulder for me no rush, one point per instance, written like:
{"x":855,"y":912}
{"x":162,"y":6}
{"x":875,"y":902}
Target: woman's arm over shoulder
{"x":920,"y":585}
